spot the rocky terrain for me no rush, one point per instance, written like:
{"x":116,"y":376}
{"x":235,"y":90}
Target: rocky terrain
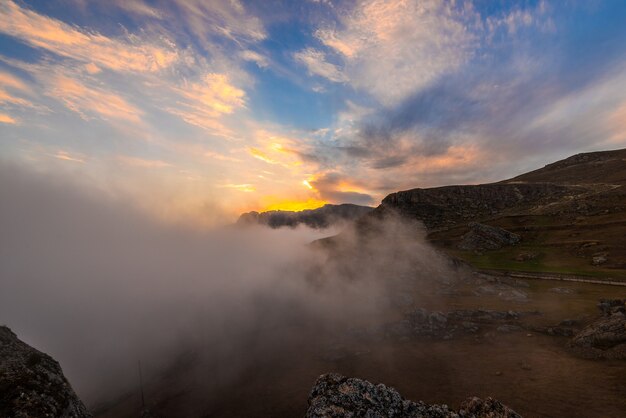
{"x":446,"y":333}
{"x":323,"y":217}
{"x":337,"y":396}
{"x":605,"y":337}
{"x":570,"y":217}
{"x":32,"y":384}
{"x":482,"y":237}
{"x":448,"y":206}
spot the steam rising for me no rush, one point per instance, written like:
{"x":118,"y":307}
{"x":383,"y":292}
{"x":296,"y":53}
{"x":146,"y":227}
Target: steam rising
{"x":98,"y":286}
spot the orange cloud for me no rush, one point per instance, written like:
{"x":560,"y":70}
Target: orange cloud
{"x":141,"y":162}
{"x":7,"y":98}
{"x":66,"y":156}
{"x":240,"y":187}
{"x":90,"y":47}
{"x":202,"y":104}
{"x":86,"y":100}
{"x":457,"y":157}
{"x":10,"y":81}
{"x":4,"y":118}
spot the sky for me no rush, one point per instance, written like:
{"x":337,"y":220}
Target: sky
{"x":197,"y":110}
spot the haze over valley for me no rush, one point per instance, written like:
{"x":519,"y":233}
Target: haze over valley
{"x":319,"y":208}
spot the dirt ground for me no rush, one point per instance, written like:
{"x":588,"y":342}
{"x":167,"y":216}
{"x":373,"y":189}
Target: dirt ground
{"x":533,"y":373}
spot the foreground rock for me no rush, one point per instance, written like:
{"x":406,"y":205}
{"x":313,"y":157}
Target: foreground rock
{"x":32,"y":384}
{"x":337,"y":396}
{"x":606,"y":337}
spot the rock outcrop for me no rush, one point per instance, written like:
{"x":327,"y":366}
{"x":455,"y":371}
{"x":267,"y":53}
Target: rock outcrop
{"x":32,"y":384}
{"x":445,"y":325}
{"x":319,"y":218}
{"x":486,"y":237}
{"x":606,"y":337}
{"x":340,"y":397}
{"x":450,"y":206}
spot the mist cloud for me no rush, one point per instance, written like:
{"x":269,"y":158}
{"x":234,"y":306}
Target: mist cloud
{"x":99,"y":286}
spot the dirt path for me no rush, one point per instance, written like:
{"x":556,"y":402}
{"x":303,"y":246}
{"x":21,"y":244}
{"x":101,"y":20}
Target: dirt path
{"x":552,"y":276}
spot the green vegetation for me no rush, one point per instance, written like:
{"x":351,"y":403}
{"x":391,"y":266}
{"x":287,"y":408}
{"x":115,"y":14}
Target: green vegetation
{"x":548,"y":260}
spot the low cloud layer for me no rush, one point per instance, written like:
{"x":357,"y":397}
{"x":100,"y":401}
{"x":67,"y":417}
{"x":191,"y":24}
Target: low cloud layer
{"x":100,"y":287}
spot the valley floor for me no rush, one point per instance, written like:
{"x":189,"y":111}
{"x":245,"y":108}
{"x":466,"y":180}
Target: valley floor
{"x":532,"y":372}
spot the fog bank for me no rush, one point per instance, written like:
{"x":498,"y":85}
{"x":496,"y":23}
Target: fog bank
{"x":100,"y":286}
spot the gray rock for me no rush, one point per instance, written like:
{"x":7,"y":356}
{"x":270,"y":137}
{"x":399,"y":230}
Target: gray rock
{"x":599,"y":260}
{"x":32,"y":384}
{"x":561,"y":290}
{"x":526,"y":256}
{"x":337,"y":396}
{"x":610,"y":306}
{"x":606,"y":337}
{"x":503,"y":291}
{"x":445,"y":325}
{"x":506,"y":328}
{"x":483,"y":237}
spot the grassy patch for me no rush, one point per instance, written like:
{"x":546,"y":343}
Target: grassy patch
{"x":548,"y":260}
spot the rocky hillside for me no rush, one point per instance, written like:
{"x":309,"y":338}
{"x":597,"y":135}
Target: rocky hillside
{"x":570,"y":216}
{"x":588,"y":168}
{"x":337,"y":396}
{"x":449,"y":206}
{"x":319,"y":218}
{"x":32,"y":384}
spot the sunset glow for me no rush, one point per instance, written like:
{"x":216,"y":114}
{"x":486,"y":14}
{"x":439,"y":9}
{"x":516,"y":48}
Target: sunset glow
{"x":338,"y":102}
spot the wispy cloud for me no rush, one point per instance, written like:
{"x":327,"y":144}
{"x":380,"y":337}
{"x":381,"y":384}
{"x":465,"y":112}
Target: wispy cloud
{"x":255,"y":57}
{"x":224,"y":18}
{"x":124,"y":54}
{"x":315,"y":62}
{"x":91,"y":101}
{"x":391,"y":49}
{"x":9,"y":120}
{"x":67,"y":156}
{"x":142,"y":162}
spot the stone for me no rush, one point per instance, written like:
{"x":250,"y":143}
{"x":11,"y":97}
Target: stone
{"x":598,"y":260}
{"x":605,"y":337}
{"x":337,"y":396}
{"x":32,"y":384}
{"x":562,"y":290}
{"x":526,"y":256}
{"x":508,"y":328}
{"x":483,"y":237}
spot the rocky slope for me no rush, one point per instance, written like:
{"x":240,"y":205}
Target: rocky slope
{"x":570,"y":217}
{"x":448,"y":206}
{"x":337,"y":396}
{"x":32,"y":384}
{"x":322,"y":217}
{"x":605,"y":337}
{"x":588,"y":168}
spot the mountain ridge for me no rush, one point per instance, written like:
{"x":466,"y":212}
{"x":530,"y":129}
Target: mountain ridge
{"x":318,"y":218}
{"x":568,"y":213}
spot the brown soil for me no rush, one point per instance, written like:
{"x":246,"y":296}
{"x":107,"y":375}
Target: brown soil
{"x":535,"y":375}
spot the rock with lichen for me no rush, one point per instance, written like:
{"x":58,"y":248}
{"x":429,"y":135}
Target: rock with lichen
{"x":605,"y":337}
{"x":32,"y":384}
{"x":338,"y":396}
